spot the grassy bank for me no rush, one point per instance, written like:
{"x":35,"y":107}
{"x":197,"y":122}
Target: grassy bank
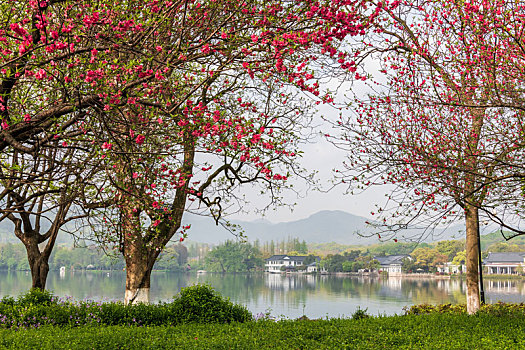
{"x":199,"y":318}
{"x":433,"y":331}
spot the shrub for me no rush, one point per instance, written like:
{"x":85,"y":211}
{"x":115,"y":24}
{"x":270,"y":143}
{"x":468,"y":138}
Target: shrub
{"x":198,"y":303}
{"x":36,"y":296}
{"x":201,"y":303}
{"x":435,"y":331}
{"x":497,"y":309}
{"x":423,"y":309}
{"x":359,"y":314}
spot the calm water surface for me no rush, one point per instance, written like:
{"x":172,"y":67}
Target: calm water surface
{"x":283,"y":295}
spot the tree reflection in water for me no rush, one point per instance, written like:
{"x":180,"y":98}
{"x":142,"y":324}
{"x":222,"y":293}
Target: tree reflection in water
{"x":288,"y":295}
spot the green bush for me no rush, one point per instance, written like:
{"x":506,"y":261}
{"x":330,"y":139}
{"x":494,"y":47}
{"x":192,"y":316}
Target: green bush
{"x":359,"y":314}
{"x":423,"y":309}
{"x":202,"y":304}
{"x":36,"y":296}
{"x":196,"y":304}
{"x":497,"y":309}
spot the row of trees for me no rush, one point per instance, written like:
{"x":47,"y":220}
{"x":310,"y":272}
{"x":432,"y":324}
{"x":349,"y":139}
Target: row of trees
{"x":444,"y":125}
{"x":117,"y":117}
{"x":292,"y":246}
{"x":243,"y":257}
{"x":352,"y":261}
{"x":127,"y":115}
{"x":13,"y":257}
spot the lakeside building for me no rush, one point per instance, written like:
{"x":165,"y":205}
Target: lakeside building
{"x":509,"y":263}
{"x":392,"y":264}
{"x":275,"y":263}
{"x":451,"y":268}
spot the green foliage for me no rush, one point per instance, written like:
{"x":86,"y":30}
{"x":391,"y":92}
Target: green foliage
{"x":497,"y":309}
{"x":333,"y":262}
{"x":350,"y":261}
{"x":408,"y":265}
{"x":359,"y":314}
{"x":14,"y":257}
{"x":441,"y":309}
{"x":198,"y":303}
{"x":460,"y":258}
{"x":202,"y":304}
{"x":433,"y":331}
{"x":504,"y":247}
{"x":392,"y":248}
{"x":495,"y":237}
{"x":36,"y":296}
{"x":234,"y":257}
{"x":450,"y":248}
{"x":426,"y":259}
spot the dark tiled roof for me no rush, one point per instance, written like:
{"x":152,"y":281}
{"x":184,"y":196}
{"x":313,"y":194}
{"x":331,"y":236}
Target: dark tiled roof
{"x":510,"y":257}
{"x":390,"y":259}
{"x":288,"y":257}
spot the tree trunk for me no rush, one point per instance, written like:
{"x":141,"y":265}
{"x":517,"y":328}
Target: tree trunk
{"x":140,"y":260}
{"x":138,"y":281}
{"x":472,"y":258}
{"x":38,"y":263}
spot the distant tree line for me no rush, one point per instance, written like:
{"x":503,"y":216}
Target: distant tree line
{"x":232,"y":256}
{"x":13,"y":257}
{"x":290,"y":246}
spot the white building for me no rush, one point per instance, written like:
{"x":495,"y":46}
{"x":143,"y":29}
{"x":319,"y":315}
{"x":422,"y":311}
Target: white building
{"x":510,"y":263}
{"x":275,"y":263}
{"x":391,"y":264}
{"x":451,"y":268}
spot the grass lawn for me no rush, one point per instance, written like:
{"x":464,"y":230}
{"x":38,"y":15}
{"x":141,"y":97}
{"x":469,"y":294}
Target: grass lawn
{"x":433,"y":331}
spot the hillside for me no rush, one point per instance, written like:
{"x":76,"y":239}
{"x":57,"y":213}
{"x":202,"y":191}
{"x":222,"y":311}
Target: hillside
{"x":324,"y":226}
{"x":321,"y":227}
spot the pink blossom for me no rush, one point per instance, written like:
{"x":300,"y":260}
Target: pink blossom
{"x":206,"y":48}
{"x":41,"y":74}
{"x":140,"y":139}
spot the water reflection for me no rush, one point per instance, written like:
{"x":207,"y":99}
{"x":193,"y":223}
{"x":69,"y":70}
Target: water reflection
{"x":288,"y":295}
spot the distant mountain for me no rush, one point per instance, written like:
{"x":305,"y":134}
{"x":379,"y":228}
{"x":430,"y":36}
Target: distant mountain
{"x":321,"y":227}
{"x":324,"y":226}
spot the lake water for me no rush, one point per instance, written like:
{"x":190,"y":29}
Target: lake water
{"x":283,"y":295}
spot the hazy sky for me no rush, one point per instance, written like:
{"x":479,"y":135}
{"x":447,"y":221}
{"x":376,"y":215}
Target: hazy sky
{"x":323,"y":157}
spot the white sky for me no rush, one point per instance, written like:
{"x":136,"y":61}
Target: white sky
{"x":324,"y":157}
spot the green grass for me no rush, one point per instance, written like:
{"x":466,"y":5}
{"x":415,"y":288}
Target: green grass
{"x":432,"y":331}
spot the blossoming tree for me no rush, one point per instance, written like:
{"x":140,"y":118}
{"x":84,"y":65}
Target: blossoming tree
{"x":175,"y":97}
{"x":442,"y":128}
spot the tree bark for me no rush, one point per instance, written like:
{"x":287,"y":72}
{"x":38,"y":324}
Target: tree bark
{"x":139,"y":257}
{"x":472,"y":258}
{"x":38,"y":263}
{"x":138,"y":278}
